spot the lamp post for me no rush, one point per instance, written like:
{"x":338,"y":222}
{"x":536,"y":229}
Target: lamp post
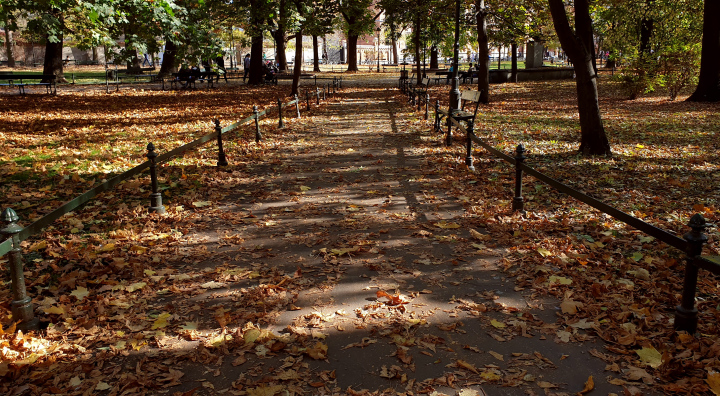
{"x":455,"y":90}
{"x":378,"y":48}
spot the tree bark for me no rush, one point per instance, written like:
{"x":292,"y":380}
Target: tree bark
{"x":9,"y":45}
{"x":352,"y":53}
{"x":53,"y":58}
{"x":169,"y":64}
{"x":708,"y":89}
{"x":316,"y":54}
{"x":256,"y":60}
{"x":593,"y":139}
{"x":483,"y":53}
{"x":513,"y":67}
{"x":416,"y":41}
{"x":393,"y":41}
{"x":297,"y":65}
{"x":434,"y":58}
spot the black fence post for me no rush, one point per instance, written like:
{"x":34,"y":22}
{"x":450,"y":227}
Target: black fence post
{"x":436,"y":123}
{"x":427,"y":104}
{"x":297,"y":105}
{"x":258,"y":136}
{"x":156,"y":205}
{"x":686,"y":315}
{"x":222,"y":161}
{"x":21,"y":305}
{"x":468,"y":156}
{"x":280,"y":120}
{"x":518,"y":202}
{"x":307,"y":99}
{"x":448,"y":136}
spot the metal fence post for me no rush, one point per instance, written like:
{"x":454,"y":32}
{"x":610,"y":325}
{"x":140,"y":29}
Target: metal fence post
{"x":325,"y":88}
{"x":468,"y":156}
{"x":427,"y":103}
{"x":448,"y":136}
{"x":222,"y":161}
{"x":297,"y":105}
{"x":156,"y":205}
{"x":307,"y":100}
{"x":280,"y":120}
{"x":518,"y":203}
{"x":21,"y":305}
{"x":317,"y":95}
{"x":258,"y":136}
{"x":436,"y":125}
{"x":686,"y":315}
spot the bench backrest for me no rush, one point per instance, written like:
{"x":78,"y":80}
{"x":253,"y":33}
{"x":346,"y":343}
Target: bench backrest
{"x":425,"y":81}
{"x":470,"y":96}
{"x":18,"y":76}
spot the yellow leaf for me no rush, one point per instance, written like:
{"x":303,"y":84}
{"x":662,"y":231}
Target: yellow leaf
{"x":490,"y":376}
{"x":161,"y":321}
{"x":265,"y":390}
{"x":54,"y":311}
{"x":107,"y":248}
{"x":713,"y":380}
{"x":650,"y":356}
{"x":445,"y":224}
{"x":497,"y":356}
{"x":560,"y":280}
{"x":467,"y":366}
{"x":138,"y":249}
{"x":189,"y":326}
{"x":589,"y":385}
{"x":497,"y":325}
{"x":101,"y":386}
{"x":120,"y":345}
{"x":80,"y":293}
{"x":318,"y":351}
{"x":305,"y":188}
{"x":544,"y":252}
{"x":251,"y":335}
{"x":200,"y":204}
{"x":135,"y":286}
{"x":38,"y":246}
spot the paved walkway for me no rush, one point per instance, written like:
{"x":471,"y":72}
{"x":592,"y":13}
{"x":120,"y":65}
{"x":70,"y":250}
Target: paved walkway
{"x":302,"y":267}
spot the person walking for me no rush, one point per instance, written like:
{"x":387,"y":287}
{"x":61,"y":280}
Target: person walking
{"x":246,"y":66}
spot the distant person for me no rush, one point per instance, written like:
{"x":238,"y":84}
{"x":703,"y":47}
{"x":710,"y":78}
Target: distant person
{"x":246,"y":66}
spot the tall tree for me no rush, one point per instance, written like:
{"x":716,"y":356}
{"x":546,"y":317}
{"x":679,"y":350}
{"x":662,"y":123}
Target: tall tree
{"x":708,"y":88}
{"x":358,"y":19}
{"x":575,"y":43}
{"x":483,"y":51}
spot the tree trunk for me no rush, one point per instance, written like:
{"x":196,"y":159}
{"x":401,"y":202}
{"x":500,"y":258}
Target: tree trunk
{"x":708,"y":89}
{"x":352,"y":53}
{"x":393,"y":42}
{"x":280,"y":58}
{"x":316,"y":54}
{"x":256,"y":61}
{"x":9,"y":45}
{"x":434,"y":58}
{"x":297,"y":65}
{"x":593,"y":139}
{"x":169,"y":64}
{"x":53,"y":58}
{"x":416,"y":41}
{"x":483,"y":53}
{"x":94,"y":54}
{"x":513,"y":69}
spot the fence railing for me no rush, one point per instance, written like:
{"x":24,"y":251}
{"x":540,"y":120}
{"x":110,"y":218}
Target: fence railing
{"x":686,"y":314}
{"x":21,"y":305}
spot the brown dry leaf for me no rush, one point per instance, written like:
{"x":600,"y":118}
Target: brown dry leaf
{"x":318,"y":351}
{"x":467,"y":366}
{"x":713,"y":381}
{"x":589,"y":385}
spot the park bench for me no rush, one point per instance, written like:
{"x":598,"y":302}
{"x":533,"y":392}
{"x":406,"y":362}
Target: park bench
{"x":420,"y":91}
{"x":86,"y":62}
{"x":20,"y":80}
{"x":187,"y":81}
{"x":467,"y":96}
